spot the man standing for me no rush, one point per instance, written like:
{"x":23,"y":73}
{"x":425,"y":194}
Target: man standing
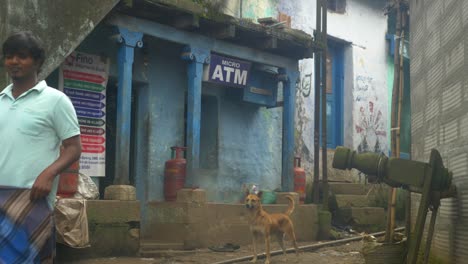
{"x":35,"y":120}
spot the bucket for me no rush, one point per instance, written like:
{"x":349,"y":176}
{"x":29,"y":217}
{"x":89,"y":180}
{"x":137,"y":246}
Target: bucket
{"x":268,"y":197}
{"x":384,"y":253}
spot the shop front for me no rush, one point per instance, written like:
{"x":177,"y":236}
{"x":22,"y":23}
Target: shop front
{"x":224,"y":90}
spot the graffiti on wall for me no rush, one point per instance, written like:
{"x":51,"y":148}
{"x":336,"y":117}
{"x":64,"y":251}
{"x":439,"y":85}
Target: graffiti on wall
{"x":304,"y":85}
{"x":370,"y":125}
{"x":304,"y":117}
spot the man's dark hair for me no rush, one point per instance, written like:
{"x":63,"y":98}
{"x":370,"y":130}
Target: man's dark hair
{"x":25,"y":41}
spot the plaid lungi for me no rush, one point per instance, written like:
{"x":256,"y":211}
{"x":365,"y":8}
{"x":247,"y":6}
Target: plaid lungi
{"x":26,"y":228}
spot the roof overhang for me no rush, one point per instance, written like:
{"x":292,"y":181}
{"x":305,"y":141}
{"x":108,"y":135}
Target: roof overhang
{"x":186,"y":15}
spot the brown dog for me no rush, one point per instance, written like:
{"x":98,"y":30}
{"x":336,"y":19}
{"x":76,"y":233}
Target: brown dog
{"x":269,"y":225}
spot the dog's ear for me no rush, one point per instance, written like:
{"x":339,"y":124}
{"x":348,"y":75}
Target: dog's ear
{"x":259,"y":194}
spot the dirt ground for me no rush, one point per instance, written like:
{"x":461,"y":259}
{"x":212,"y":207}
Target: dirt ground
{"x":343,"y":254}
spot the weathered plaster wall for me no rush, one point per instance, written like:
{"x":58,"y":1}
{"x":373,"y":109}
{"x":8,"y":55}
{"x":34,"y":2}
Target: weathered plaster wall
{"x":249,"y":137}
{"x":370,"y":114}
{"x":366,"y":115}
{"x":250,"y":145}
{"x":61,"y":26}
{"x":439,"y":108}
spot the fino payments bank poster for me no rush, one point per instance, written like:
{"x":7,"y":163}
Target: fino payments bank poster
{"x":83,"y":78}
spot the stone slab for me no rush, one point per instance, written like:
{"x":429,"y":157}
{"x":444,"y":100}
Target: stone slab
{"x":191,"y":196}
{"x":120,"y":192}
{"x":112,"y":211}
{"x":350,"y":200}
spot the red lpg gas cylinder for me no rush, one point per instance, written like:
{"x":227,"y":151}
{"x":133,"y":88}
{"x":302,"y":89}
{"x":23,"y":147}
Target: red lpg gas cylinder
{"x":174,"y":174}
{"x":68,"y":181}
{"x":299,"y":180}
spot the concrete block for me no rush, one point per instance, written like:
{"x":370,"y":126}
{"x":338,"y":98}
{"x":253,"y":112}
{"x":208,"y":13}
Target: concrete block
{"x":350,"y":200}
{"x":306,"y":222}
{"x":107,"y":240}
{"x":174,"y":223}
{"x":324,"y":225}
{"x":120,"y":192}
{"x":191,"y":196}
{"x":175,"y":212}
{"x":228,"y":213}
{"x":112,"y":211}
{"x":281,"y":197}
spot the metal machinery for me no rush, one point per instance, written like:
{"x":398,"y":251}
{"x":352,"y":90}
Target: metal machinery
{"x":432,"y":180}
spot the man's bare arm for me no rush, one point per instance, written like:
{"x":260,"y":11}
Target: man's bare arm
{"x":71,"y":152}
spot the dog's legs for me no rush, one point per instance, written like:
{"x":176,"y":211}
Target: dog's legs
{"x":293,"y":237}
{"x":280,"y":237}
{"x":254,"y":239}
{"x":267,"y":247}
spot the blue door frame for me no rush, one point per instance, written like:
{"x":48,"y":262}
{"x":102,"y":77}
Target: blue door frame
{"x":335,"y":100}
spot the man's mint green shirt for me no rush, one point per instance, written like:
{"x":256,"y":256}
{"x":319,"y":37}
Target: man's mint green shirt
{"x":32,"y":128}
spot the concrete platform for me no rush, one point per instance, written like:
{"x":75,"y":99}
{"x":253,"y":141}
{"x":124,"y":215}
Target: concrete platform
{"x":114,"y":228}
{"x":199,"y":225}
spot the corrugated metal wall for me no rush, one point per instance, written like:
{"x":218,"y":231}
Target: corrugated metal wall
{"x":439,"y":81}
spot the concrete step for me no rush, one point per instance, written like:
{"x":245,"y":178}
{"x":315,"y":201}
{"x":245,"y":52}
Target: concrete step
{"x":362,"y":218}
{"x":352,"y":200}
{"x":349,"y":188}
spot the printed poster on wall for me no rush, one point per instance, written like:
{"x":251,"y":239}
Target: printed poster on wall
{"x":83,"y":77}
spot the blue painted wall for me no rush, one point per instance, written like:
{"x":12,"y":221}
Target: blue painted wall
{"x":248,"y":136}
{"x":250,"y":146}
{"x":161,"y":115}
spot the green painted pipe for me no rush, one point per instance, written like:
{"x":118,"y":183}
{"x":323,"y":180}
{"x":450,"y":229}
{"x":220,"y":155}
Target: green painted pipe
{"x":395,"y":172}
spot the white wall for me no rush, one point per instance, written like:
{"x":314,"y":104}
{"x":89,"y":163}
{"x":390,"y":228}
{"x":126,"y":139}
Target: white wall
{"x":366,"y":115}
{"x":363,"y":28}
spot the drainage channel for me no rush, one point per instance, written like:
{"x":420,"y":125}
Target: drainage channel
{"x":308,"y":247}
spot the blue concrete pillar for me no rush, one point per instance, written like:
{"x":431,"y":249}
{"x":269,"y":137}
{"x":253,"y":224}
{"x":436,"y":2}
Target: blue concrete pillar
{"x":196,"y":57}
{"x":288,"y":78}
{"x":128,"y":41}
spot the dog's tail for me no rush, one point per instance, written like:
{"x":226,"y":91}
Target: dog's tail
{"x":291,"y":205}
